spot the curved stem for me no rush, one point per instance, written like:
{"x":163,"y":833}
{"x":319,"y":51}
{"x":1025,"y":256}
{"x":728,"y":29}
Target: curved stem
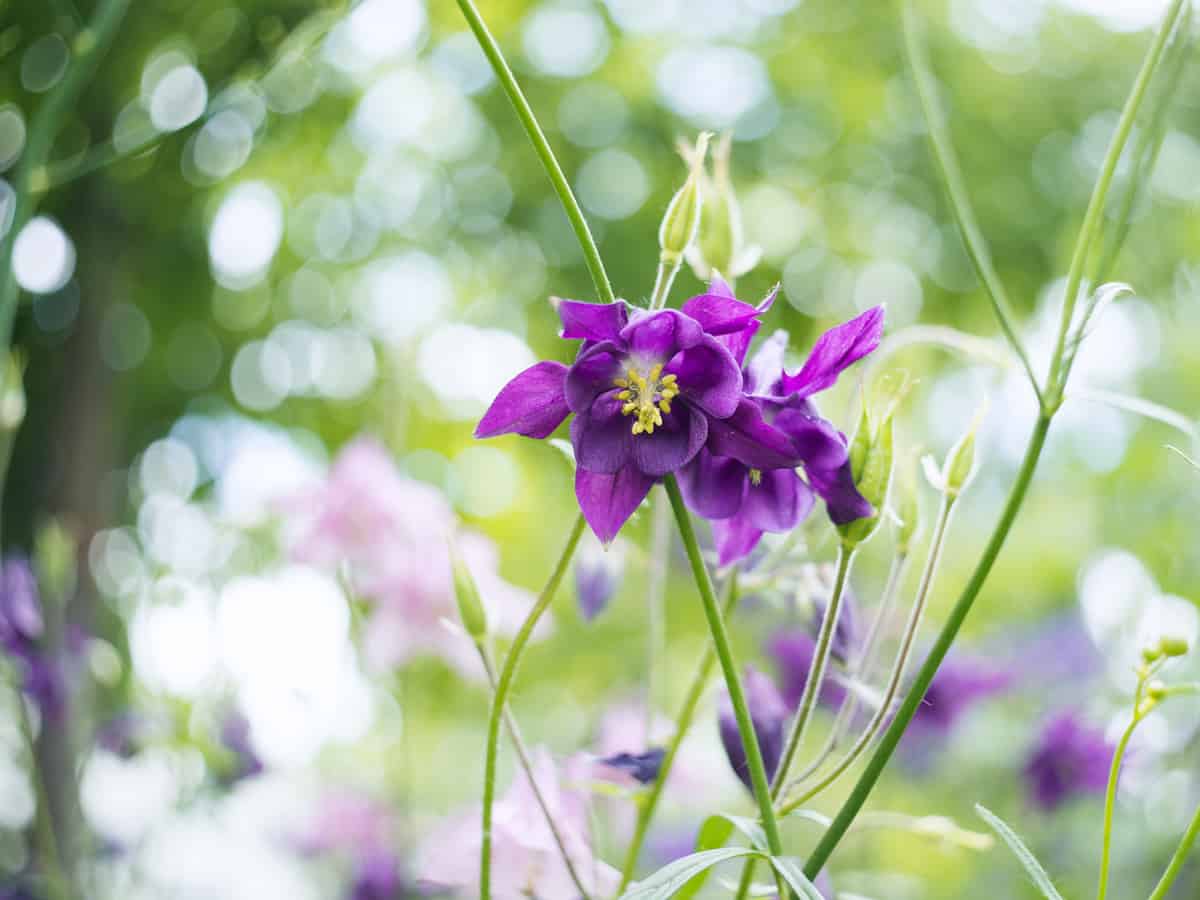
{"x":733,"y":682}
{"x":499,"y":701}
{"x":1110,"y":798}
{"x":956,"y":190}
{"x":1181,"y":854}
{"x":90,"y":45}
{"x":866,"y":782}
{"x":664,"y":277}
{"x":899,"y":667}
{"x":683,"y":723}
{"x":514,"y":734}
{"x":504,"y":74}
{"x":1093,"y":219}
{"x":816,"y":673}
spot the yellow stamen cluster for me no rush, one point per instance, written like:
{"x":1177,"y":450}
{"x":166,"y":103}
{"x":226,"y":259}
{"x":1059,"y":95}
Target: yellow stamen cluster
{"x":646,"y":397}
{"x":756,"y":477}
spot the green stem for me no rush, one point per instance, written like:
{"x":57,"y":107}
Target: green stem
{"x":866,"y":782}
{"x":49,"y":856}
{"x":816,"y":673}
{"x":1093,"y":219}
{"x":899,"y":668}
{"x":90,"y":45}
{"x":1181,"y":854}
{"x":664,"y":277}
{"x":656,"y":585}
{"x":1110,"y":799}
{"x":956,"y":190}
{"x":500,"y":699}
{"x":514,"y":734}
{"x":591,"y":255}
{"x":733,"y":682}
{"x":683,"y":722}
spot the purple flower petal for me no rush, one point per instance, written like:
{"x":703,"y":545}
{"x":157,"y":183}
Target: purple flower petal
{"x":720,"y":313}
{"x":714,"y":486}
{"x":657,"y":336}
{"x":818,"y":443}
{"x":836,"y":487}
{"x":673,"y":444}
{"x":793,"y":653}
{"x":607,"y":501}
{"x":735,"y":539}
{"x":768,"y":714}
{"x":766,"y":367}
{"x":738,"y":342}
{"x":1070,"y":758}
{"x":643,"y":767}
{"x":748,"y":438}
{"x":834,"y":351}
{"x":719,"y":286}
{"x":708,"y":376}
{"x":592,"y":321}
{"x":593,"y":373}
{"x":779,"y":502}
{"x":602,"y":437}
{"x":532,"y":404}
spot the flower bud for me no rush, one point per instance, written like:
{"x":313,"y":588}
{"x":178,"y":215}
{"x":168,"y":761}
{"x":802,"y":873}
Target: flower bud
{"x":12,"y":393}
{"x":1173,"y":646}
{"x":1156,"y":690}
{"x":720,"y":244}
{"x":1149,"y":655}
{"x":466,"y":595}
{"x":54,"y":556}
{"x":682,"y":218}
{"x":768,"y":713}
{"x":960,"y":464}
{"x":873,"y":483}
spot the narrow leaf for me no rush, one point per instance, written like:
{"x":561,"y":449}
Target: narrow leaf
{"x":1032,"y":867}
{"x":671,"y":878}
{"x":714,"y":833}
{"x":793,"y":873}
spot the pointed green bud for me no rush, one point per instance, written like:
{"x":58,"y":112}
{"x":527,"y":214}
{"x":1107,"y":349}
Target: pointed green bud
{"x":720,"y":245}
{"x":960,"y":464}
{"x":1151,"y":654}
{"x":1173,"y":646}
{"x":466,"y":594}
{"x":54,"y":555}
{"x":12,"y":393}
{"x":860,"y":445}
{"x":682,"y":218}
{"x":873,"y":484}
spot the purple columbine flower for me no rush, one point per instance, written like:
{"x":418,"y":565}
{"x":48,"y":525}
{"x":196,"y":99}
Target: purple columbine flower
{"x":648,"y":390}
{"x":793,"y":652}
{"x":1070,"y":758}
{"x":377,"y":876}
{"x":744,"y":501}
{"x":768,"y":713}
{"x":959,"y":684}
{"x":642,"y":767}
{"x":20,"y":608}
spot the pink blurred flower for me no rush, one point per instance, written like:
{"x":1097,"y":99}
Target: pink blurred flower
{"x":347,"y":821}
{"x":525,"y":859}
{"x":393,"y":534}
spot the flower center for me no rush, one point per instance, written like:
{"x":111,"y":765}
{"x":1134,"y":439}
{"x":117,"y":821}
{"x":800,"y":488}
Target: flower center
{"x":756,"y":477}
{"x":646,"y":397}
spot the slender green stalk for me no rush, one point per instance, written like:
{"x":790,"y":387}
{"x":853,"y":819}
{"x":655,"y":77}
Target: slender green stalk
{"x":29,"y":180}
{"x":733,"y":682}
{"x":1110,"y":799}
{"x":816,"y":673}
{"x":1093,"y":219}
{"x":514,"y":734}
{"x":1181,"y":854}
{"x":591,"y":255}
{"x":911,"y":628}
{"x":683,"y":722}
{"x":656,"y":588}
{"x":916,"y":693}
{"x":500,"y":700}
{"x":49,"y":855}
{"x":956,"y":190}
{"x":664,"y":277}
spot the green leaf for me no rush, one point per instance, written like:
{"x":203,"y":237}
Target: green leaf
{"x":793,"y":873}
{"x":1023,"y":853}
{"x":673,"y":877}
{"x":714,"y":833}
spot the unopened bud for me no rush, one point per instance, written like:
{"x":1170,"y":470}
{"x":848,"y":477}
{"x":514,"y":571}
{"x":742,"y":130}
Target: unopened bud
{"x":1156,"y":690}
{"x":12,"y":394}
{"x":682,"y":218}
{"x":1173,"y":646}
{"x":466,"y":595}
{"x":54,"y":555}
{"x":720,"y":244}
{"x":1150,"y":655}
{"x":960,"y":464}
{"x":873,"y":484}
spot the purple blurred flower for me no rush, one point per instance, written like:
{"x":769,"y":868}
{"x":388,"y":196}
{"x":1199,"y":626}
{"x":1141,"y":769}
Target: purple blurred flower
{"x":959,"y":684}
{"x":642,"y":767}
{"x":377,"y":876}
{"x":20,"y":607}
{"x":648,"y":390}
{"x":845,"y":634}
{"x":744,"y":501}
{"x":236,"y":738}
{"x":597,"y":573}
{"x":793,"y":652}
{"x":768,"y":713}
{"x":1069,"y":758}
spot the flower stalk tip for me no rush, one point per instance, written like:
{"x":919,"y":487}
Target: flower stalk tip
{"x":466,"y":595}
{"x":681,"y":221}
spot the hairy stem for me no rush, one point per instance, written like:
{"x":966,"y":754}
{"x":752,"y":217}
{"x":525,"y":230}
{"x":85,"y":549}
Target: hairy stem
{"x":500,"y":700}
{"x":583,"y":234}
{"x":683,"y":722}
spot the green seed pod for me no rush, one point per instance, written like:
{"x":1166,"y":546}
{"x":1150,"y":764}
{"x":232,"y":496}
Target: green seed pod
{"x":466,"y":595}
{"x":681,"y":221}
{"x":873,"y":484}
{"x":1173,"y":646}
{"x":720,"y":246}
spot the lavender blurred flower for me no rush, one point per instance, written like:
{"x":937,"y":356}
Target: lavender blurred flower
{"x":43,"y":674}
{"x":845,"y":635}
{"x":768,"y":713}
{"x":525,"y":859}
{"x":393,"y":534}
{"x":648,"y":390}
{"x":235,"y":737}
{"x":744,"y":501}
{"x":959,"y":684}
{"x":642,"y":767}
{"x":598,"y":571}
{"x":1069,"y":758}
{"x":355,"y":826}
{"x":793,"y":653}
{"x":377,"y":876}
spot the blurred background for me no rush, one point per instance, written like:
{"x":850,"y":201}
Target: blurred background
{"x":288,"y":253}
